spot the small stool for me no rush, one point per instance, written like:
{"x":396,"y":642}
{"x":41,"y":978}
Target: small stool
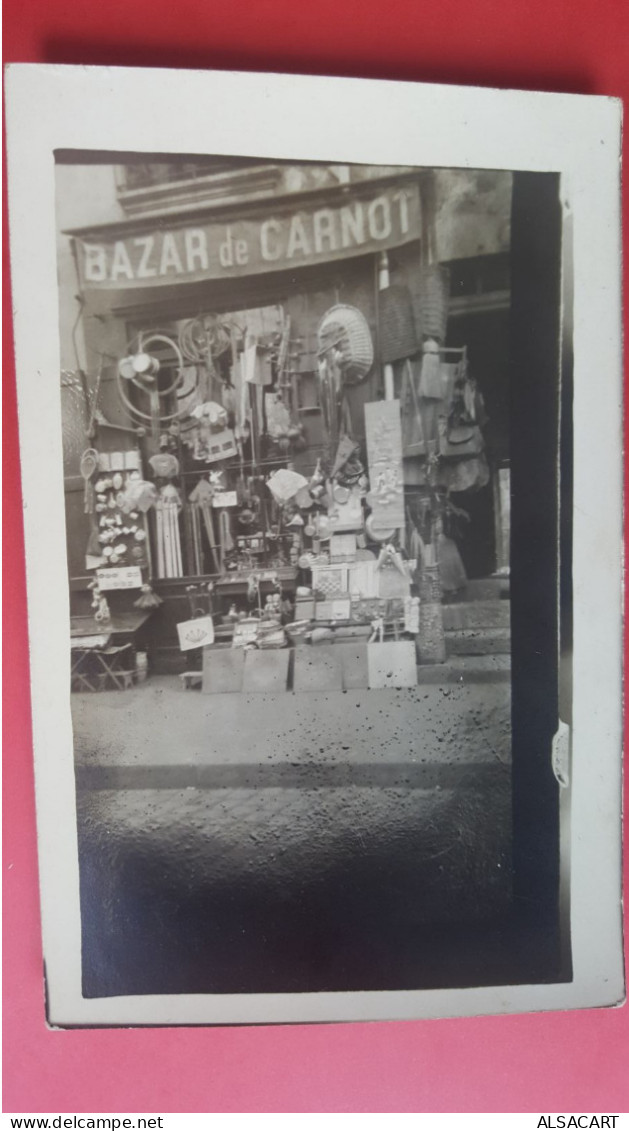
{"x":191,"y":679}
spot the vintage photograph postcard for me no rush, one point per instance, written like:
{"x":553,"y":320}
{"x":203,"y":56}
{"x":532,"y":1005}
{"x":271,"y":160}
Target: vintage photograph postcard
{"x":320,"y":418}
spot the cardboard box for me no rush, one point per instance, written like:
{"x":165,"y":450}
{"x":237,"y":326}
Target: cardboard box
{"x":318,"y":669}
{"x":266,"y":670}
{"x":392,"y":664}
{"x":222,"y":670}
{"x":337,"y":609}
{"x":304,"y":608}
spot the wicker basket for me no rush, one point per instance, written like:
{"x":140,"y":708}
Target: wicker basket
{"x":434,"y":295}
{"x":345,"y":329}
{"x":397,"y":324}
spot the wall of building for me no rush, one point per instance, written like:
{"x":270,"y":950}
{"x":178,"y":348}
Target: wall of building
{"x":472,"y":217}
{"x":473,"y":212}
{"x":85,"y":194}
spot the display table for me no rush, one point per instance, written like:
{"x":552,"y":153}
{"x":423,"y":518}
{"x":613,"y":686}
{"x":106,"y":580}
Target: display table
{"x":103,"y":653}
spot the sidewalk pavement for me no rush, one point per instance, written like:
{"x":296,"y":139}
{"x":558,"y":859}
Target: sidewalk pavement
{"x":158,"y":724}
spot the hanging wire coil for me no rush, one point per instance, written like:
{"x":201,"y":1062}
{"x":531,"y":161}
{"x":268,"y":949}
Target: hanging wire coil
{"x":145,"y":343}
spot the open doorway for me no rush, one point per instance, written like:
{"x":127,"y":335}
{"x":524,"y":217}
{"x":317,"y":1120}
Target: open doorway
{"x":483,"y":540}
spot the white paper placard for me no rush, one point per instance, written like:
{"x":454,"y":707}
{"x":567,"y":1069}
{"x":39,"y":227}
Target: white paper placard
{"x":124,"y":577}
{"x":195,"y":633}
{"x":225,"y":499}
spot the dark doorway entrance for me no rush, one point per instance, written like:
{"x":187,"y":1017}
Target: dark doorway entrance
{"x":486,"y":335}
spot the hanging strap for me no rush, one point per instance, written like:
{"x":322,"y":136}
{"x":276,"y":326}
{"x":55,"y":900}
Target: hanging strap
{"x":346,"y":418}
{"x":206,"y":511}
{"x":196,"y":539}
{"x":227,"y":541}
{"x":159,"y":523}
{"x":176,"y":537}
{"x":408,"y":378}
{"x":428,"y":254}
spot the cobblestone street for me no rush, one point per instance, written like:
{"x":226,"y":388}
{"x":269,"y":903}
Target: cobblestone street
{"x":234,"y":844}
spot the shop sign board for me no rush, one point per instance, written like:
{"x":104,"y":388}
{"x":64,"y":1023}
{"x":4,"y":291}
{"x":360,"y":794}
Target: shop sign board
{"x":383,"y":428}
{"x":223,"y":499}
{"x":355,"y":225}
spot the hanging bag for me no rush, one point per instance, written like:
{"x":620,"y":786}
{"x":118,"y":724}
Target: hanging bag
{"x":398,"y":338}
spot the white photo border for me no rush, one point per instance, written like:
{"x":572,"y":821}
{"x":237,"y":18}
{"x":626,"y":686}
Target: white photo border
{"x":332,"y":120}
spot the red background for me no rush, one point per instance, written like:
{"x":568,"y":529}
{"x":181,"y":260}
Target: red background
{"x":546,"y":1062}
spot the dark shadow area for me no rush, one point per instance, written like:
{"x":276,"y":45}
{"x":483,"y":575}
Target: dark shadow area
{"x":399,"y":892}
{"x":535,"y":403}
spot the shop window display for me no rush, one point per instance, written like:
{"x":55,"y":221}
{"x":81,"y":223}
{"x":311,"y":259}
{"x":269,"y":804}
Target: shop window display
{"x":284,"y":489}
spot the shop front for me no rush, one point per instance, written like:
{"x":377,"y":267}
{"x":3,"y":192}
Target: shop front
{"x":287,"y":453}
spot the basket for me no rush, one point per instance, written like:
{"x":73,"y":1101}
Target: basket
{"x":345,"y":329}
{"x":434,"y":295}
{"x":397,"y":324}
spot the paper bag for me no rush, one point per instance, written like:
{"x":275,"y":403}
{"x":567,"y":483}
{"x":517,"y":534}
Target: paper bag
{"x":195,"y":633}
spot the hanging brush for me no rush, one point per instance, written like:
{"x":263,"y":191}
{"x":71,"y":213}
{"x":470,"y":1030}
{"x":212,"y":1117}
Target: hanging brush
{"x":148,"y":599}
{"x":208,"y":522}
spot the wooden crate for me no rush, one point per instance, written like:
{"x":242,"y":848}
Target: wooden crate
{"x":392,"y":664}
{"x":319,"y":668}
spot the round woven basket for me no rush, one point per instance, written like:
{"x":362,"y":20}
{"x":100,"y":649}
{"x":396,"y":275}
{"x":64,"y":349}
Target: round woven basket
{"x":345,"y":329}
{"x":434,"y":295}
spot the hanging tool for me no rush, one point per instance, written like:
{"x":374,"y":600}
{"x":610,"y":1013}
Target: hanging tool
{"x":196,"y":539}
{"x":208,"y":522}
{"x":169,"y":563}
{"x":201,"y":500}
{"x":159,"y":538}
{"x":225,"y":536}
{"x":91,"y":431}
{"x":102,"y":422}
{"x":141,"y":369}
{"x":87,"y":466}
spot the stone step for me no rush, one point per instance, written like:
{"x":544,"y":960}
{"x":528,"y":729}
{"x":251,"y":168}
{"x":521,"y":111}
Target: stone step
{"x":484,"y":589}
{"x":495,"y":668}
{"x":478,"y":641}
{"x":476,"y":614}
